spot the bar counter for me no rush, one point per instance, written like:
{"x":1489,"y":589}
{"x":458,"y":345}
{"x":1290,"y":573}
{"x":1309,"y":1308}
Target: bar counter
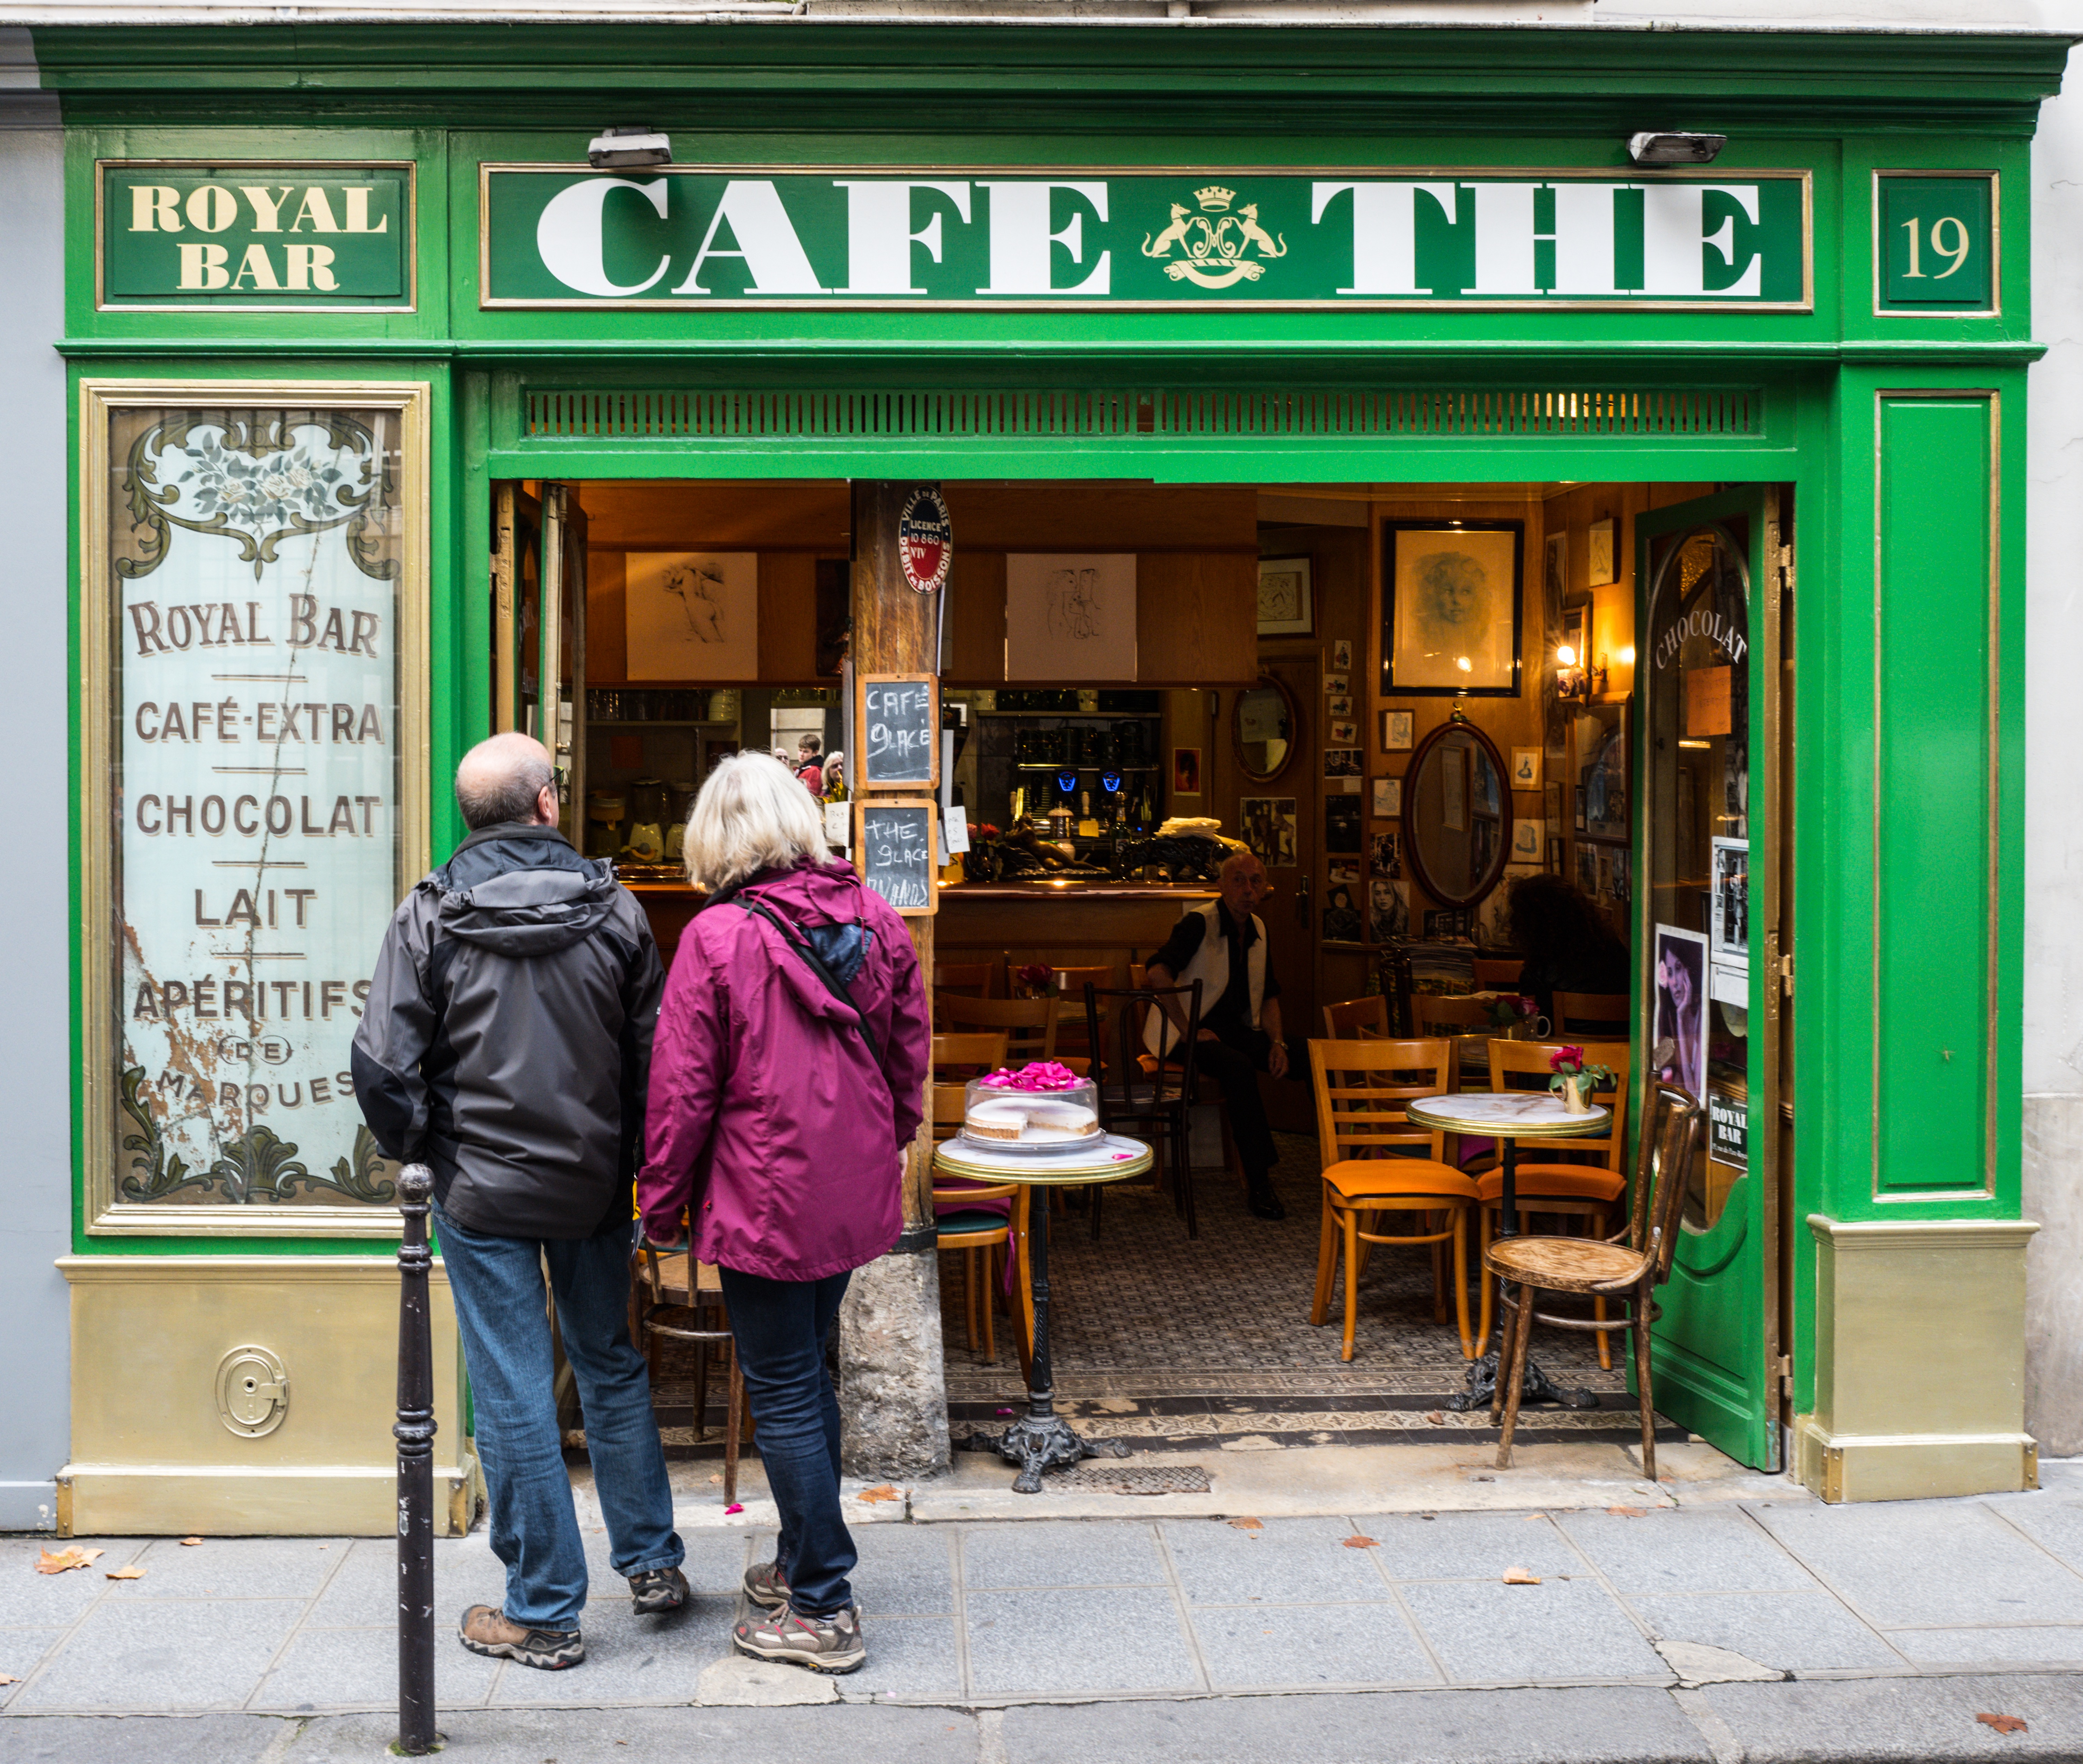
{"x":1070,"y":923}
{"x":1066,"y":924}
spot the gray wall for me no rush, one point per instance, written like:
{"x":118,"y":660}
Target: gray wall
{"x":2053,"y":854}
{"x":35,"y":1077}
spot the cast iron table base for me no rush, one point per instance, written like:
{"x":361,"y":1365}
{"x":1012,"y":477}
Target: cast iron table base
{"x":1042,"y":1438}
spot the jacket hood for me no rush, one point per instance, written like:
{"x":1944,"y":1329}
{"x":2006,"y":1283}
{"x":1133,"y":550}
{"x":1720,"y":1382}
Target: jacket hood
{"x":521,"y":891}
{"x":808,"y":894}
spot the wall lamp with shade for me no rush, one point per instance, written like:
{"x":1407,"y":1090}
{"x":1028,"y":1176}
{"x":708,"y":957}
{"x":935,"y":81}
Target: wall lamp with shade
{"x":1671,"y":146}
{"x":619,"y":149}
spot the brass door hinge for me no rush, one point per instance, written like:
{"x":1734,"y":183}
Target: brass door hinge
{"x":1785,"y":968}
{"x":1782,"y":1372}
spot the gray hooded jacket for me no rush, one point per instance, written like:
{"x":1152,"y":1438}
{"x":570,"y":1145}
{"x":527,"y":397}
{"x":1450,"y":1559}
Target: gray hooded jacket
{"x":506,"y":1040}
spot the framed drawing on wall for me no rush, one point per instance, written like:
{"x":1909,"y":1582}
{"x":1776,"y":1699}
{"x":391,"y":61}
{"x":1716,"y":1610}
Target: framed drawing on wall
{"x":1451,"y":602}
{"x":1284,"y":609}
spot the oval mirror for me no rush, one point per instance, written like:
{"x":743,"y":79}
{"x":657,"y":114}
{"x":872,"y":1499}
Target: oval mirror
{"x":1456,"y":814}
{"x":1264,"y":729}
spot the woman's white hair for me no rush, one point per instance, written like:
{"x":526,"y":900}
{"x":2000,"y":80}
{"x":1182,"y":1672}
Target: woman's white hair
{"x":752,"y":814}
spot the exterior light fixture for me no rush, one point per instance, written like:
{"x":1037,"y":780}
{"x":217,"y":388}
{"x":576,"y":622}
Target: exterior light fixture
{"x":618,"y":148}
{"x":1656,"y":147}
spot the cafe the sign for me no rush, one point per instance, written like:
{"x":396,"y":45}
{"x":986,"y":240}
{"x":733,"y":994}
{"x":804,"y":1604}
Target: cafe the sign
{"x":255,"y":236}
{"x":692,"y":237}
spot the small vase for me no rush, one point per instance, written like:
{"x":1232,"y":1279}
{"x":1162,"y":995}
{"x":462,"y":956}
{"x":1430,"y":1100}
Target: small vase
{"x":1572,"y":1097}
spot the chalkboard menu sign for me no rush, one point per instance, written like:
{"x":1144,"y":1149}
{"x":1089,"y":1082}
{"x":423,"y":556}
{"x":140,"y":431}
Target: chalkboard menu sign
{"x":900,"y":732}
{"x":894,"y":847}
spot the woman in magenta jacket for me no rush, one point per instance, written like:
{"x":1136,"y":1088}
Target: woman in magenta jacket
{"x":779,"y":1114}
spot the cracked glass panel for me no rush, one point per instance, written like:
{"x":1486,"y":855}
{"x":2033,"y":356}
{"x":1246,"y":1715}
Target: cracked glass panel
{"x":256,"y":559}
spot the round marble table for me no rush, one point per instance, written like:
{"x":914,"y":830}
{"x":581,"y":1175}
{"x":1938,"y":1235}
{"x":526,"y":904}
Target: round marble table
{"x":1042,"y":1438}
{"x":1509,"y":1116}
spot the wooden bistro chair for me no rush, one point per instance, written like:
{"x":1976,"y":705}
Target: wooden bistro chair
{"x":977,"y":1233}
{"x":1578,"y":1014}
{"x":1579,"y":1178}
{"x":957,"y":1059}
{"x":1363,"y":1132}
{"x":1351,"y":1017}
{"x":1028,"y":1025}
{"x":1142,"y":1095}
{"x":678,"y":1297}
{"x":1206,"y":1090}
{"x":1498,"y":974}
{"x":1630,"y":1272}
{"x":970,"y":979}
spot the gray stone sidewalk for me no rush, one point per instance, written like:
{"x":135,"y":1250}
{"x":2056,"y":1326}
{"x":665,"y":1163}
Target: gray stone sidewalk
{"x":1742,"y":1630}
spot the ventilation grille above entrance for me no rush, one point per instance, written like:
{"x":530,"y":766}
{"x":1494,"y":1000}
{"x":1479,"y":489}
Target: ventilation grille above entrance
{"x":809,"y":415}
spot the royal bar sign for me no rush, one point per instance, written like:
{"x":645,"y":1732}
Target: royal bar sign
{"x":696,"y":237}
{"x":265,"y":237}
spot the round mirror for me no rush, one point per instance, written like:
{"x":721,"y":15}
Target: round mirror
{"x":1456,"y":814}
{"x":1264,"y":729}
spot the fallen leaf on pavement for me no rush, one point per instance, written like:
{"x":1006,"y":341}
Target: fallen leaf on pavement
{"x":189,"y":1543}
{"x":1356,"y":1541}
{"x":1435,"y":1417}
{"x":1248,"y":1525}
{"x":9,"y":1678}
{"x":1627,"y":1512}
{"x":713,"y":1479}
{"x":880,"y":1491}
{"x":1520,"y":1577}
{"x":2003,"y":1724}
{"x":131,"y":1573}
{"x":72,"y":1556}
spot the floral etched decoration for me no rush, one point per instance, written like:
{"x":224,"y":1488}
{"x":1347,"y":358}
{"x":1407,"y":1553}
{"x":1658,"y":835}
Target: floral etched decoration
{"x":258,"y":481}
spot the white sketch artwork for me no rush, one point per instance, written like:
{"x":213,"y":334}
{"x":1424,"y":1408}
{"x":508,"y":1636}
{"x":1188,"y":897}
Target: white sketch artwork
{"x":1069,"y":617}
{"x":692,"y":616}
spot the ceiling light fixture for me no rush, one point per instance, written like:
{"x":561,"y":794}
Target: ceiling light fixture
{"x":1656,"y":147}
{"x":615,"y":149}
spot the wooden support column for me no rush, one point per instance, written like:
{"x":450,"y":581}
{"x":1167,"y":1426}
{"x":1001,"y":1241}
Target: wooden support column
{"x":893,"y":1382}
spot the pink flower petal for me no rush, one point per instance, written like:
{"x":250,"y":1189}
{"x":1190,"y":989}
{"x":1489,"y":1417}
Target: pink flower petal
{"x":735,"y":1507}
{"x":1005,"y":1412}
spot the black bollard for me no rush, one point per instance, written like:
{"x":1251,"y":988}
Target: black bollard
{"x":414,"y":1433}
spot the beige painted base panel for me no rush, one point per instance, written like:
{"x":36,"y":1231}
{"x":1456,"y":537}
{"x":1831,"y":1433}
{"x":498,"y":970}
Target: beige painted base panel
{"x":1879,"y":1466}
{"x":244,"y":1501}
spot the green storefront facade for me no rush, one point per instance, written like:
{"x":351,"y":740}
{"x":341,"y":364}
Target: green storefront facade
{"x":369,"y":266}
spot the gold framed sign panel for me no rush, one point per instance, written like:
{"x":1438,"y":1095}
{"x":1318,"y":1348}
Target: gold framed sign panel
{"x":494,"y":258}
{"x":253,"y":705}
{"x":262,"y":223}
{"x":1993,"y":307}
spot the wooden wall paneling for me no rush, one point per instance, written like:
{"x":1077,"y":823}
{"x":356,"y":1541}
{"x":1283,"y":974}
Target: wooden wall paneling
{"x":607,"y":630}
{"x":718,"y":515}
{"x":1101,"y":517}
{"x":976,"y":609}
{"x":1196,"y":618}
{"x":789,"y":618}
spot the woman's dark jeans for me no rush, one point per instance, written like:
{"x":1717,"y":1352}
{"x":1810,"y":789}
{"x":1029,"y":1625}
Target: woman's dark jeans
{"x":781,"y":1326}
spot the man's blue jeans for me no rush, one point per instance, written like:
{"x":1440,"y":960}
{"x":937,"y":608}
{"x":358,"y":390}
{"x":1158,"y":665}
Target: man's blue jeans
{"x":781,"y":1326}
{"x":497,"y":1283}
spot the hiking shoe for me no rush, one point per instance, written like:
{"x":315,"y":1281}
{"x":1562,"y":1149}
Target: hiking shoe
{"x":766,"y":1586}
{"x":484,"y":1631}
{"x":658,"y":1589}
{"x":823,"y":1643}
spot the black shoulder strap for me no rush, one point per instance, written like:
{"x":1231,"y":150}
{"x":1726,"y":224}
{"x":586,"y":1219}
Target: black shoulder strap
{"x":816,"y":966}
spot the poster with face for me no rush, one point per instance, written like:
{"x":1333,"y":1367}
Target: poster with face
{"x":1451,"y":613}
{"x":1342,"y":904}
{"x":1388,"y":909}
{"x":1678,"y":1028}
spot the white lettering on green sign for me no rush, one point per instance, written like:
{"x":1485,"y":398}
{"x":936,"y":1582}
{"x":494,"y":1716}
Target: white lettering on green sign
{"x":691,"y":235}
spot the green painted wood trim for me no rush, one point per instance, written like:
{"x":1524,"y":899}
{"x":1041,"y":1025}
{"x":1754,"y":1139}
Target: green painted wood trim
{"x":448,"y":720}
{"x":1577,"y":74}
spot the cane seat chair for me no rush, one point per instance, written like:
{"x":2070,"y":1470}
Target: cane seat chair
{"x":1141,"y":1094}
{"x":1630,"y":1271}
{"x":677,"y":1298}
{"x":1365,"y":1138}
{"x":1581,"y":1178}
{"x":1206,"y":1090}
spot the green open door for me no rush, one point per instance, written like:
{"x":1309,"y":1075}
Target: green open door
{"x":1710,"y":577}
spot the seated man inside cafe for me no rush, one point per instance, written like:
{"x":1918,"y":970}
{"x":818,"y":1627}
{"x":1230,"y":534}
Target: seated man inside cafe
{"x":1223,"y":946}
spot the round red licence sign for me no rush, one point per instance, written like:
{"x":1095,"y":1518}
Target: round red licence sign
{"x":925,"y":540}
